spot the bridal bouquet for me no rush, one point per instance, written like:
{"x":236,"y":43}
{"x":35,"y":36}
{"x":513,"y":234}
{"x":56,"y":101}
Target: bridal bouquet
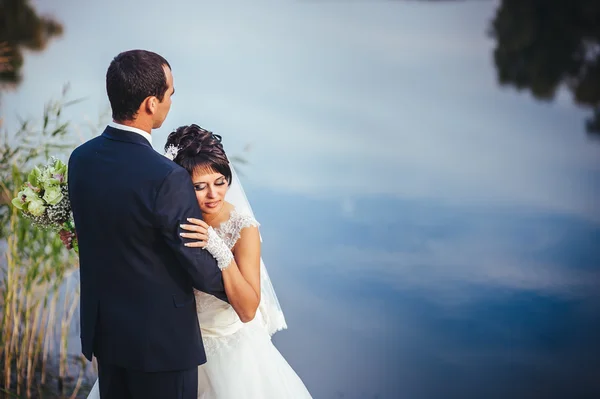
{"x":44,"y":198}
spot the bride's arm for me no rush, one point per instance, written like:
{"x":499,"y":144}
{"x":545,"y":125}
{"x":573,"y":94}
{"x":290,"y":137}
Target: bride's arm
{"x":241,"y":270}
{"x":242,"y":277}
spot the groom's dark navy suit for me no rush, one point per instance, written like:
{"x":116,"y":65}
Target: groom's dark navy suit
{"x":138,"y":314}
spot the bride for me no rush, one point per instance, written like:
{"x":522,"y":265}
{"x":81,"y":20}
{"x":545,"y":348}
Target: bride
{"x":242,"y":362}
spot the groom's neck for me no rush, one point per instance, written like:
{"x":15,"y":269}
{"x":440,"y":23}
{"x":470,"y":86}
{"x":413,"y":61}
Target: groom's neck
{"x":138,"y":124}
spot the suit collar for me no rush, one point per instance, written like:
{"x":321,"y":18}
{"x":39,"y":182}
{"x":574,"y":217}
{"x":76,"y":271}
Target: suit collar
{"x":125,"y":136}
{"x":144,"y":134}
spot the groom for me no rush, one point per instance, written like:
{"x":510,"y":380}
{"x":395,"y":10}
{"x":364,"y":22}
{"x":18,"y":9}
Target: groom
{"x":138,"y":312}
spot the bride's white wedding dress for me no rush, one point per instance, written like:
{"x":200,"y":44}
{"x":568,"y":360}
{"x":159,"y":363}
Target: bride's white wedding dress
{"x":242,"y":362}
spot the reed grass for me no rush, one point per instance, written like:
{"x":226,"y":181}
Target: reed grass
{"x":37,"y":307}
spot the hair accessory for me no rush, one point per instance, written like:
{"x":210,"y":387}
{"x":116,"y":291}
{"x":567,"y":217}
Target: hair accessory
{"x":171,"y":152}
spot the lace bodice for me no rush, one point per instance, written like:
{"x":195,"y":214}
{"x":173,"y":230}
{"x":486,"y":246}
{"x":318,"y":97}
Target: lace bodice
{"x":230,"y":232}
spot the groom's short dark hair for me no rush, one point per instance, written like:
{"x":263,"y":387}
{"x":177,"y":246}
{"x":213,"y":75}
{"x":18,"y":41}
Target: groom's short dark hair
{"x":132,"y":77}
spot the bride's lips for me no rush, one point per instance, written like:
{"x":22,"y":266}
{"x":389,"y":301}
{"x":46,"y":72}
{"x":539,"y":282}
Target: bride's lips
{"x":212,"y":205}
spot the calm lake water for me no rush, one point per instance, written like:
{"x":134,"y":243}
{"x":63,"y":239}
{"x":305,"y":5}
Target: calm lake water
{"x":430,"y":232}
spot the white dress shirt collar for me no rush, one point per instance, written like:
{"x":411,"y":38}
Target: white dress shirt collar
{"x":142,"y":133}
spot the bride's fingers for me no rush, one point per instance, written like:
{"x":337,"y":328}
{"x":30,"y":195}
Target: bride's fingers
{"x":198,"y":222}
{"x":195,"y":236}
{"x":191,"y":227}
{"x":195,"y":244}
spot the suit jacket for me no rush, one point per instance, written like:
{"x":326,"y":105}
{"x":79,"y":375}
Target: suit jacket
{"x":137,"y":308}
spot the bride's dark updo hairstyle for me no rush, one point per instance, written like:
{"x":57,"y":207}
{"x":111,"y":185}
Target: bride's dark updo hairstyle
{"x":199,"y":150}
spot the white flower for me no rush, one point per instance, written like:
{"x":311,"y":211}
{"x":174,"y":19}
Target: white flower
{"x":36,"y":207}
{"x":171,"y":152}
{"x":53,"y":195}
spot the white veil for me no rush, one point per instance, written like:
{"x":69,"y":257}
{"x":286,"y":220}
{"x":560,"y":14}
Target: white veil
{"x":269,"y":307}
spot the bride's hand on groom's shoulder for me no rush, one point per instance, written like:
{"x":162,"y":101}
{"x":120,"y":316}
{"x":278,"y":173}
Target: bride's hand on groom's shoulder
{"x":197,"y":231}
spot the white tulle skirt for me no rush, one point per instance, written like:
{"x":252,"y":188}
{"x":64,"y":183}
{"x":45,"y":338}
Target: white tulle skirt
{"x":246,"y":365}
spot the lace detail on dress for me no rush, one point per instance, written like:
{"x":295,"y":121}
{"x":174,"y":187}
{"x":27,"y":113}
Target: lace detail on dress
{"x":212,"y":345}
{"x":230,"y":343}
{"x":230,"y":230}
{"x":205,"y":301}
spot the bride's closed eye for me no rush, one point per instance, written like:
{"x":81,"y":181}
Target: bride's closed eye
{"x":202,"y":186}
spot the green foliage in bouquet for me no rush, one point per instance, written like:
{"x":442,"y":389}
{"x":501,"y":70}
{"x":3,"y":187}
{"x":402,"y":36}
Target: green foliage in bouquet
{"x":44,"y":197}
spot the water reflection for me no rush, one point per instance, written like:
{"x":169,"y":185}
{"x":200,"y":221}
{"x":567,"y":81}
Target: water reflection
{"x":436,"y":301}
{"x":542,"y":45}
{"x":22,"y":28}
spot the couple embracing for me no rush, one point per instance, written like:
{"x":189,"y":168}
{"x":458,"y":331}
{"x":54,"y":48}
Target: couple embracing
{"x":176,"y":302}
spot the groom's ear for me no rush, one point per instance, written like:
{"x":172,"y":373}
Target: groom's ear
{"x":151,"y":105}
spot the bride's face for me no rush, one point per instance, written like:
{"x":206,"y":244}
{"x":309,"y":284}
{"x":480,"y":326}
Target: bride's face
{"x":210,"y":188}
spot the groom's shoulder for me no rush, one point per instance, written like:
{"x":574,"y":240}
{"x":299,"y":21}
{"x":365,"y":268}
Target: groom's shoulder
{"x":163,"y":163}
{"x":86,"y":146}
{"x":163,"y":168}
{"x":156,"y":162}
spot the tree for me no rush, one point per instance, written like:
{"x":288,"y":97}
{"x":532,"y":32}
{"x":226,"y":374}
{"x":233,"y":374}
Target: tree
{"x":21,"y":28}
{"x":542,"y":45}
